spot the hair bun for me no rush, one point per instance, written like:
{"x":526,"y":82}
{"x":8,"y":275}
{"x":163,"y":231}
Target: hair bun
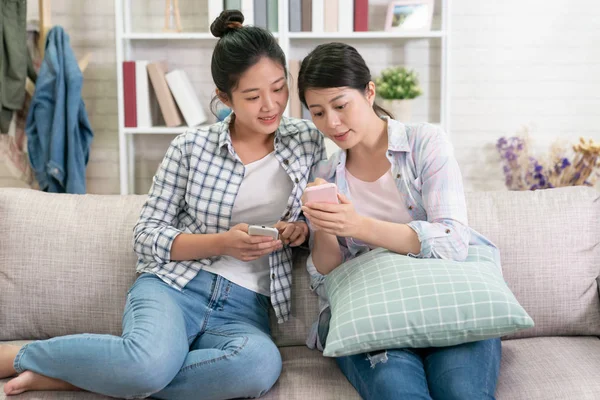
{"x":228,"y":21}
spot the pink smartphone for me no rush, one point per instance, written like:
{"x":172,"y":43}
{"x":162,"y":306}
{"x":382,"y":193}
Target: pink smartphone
{"x":326,"y":193}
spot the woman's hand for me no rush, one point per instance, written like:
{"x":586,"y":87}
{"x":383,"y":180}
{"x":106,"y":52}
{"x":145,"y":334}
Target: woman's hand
{"x":292,"y":233}
{"x":336,"y":219}
{"x":238,"y":244}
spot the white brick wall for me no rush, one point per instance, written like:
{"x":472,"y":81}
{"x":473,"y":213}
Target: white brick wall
{"x":512,"y":63}
{"x":516,"y":63}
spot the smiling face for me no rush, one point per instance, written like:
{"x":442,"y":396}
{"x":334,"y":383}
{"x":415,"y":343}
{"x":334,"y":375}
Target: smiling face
{"x":260,"y":97}
{"x":342,"y":114}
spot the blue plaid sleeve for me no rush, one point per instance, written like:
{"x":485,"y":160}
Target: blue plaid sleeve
{"x":155,"y":230}
{"x":445,"y":234}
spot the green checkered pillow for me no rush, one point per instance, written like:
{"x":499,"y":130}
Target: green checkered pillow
{"x":383,"y":300}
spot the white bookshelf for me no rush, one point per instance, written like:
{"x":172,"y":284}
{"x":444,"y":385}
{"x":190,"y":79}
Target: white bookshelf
{"x":363,"y":35}
{"x":290,"y":42}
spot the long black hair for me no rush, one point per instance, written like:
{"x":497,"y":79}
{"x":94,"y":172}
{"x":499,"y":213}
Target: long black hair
{"x":334,"y":65}
{"x":239,"y":48}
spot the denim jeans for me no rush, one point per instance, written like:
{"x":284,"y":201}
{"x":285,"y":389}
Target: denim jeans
{"x":209,"y":341}
{"x":467,"y":372}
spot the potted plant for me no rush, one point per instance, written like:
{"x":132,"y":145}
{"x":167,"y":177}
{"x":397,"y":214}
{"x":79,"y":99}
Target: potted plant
{"x":397,"y":87}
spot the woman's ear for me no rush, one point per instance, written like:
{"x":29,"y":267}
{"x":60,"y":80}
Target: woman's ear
{"x":223,"y":97}
{"x":370,"y":93}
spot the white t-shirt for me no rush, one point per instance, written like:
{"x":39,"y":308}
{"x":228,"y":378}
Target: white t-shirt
{"x":261,"y":200}
{"x":380,"y":199}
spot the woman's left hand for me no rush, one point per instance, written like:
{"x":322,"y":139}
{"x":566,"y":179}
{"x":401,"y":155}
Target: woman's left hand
{"x":336,"y":219}
{"x":292,"y":233}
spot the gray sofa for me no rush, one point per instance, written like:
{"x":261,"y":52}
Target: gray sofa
{"x":66,"y":262}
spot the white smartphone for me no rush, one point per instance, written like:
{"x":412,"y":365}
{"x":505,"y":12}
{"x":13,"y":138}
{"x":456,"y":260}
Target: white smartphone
{"x":261,"y":230}
{"x":326,"y":193}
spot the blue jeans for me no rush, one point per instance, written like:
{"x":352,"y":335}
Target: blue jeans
{"x":209,"y":341}
{"x":467,"y":372}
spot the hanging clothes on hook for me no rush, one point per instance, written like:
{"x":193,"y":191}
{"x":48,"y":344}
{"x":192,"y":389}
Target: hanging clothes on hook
{"x":14,"y":59}
{"x":13,"y":146}
{"x":58,"y":130}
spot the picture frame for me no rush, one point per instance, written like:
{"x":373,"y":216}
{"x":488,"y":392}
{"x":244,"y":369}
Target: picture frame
{"x":409,"y":15}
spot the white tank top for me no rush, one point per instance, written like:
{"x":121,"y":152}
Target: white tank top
{"x":261,"y":200}
{"x":380,"y":199}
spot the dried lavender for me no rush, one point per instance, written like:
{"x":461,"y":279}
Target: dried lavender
{"x":578,"y":166}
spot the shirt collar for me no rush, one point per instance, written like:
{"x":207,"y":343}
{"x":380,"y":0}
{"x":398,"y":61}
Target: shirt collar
{"x":397,"y":137}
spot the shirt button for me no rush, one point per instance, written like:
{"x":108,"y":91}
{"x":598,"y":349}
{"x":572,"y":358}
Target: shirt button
{"x":273,"y":276}
{"x":286,"y":162}
{"x":296,"y":180}
{"x":276,"y":140}
{"x":410,"y":207}
{"x":447,"y":230}
{"x":389,"y":153}
{"x":399,"y":176}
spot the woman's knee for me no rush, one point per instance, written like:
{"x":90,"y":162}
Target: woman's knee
{"x":262,"y":362}
{"x":473,"y":375}
{"x":148,"y":371}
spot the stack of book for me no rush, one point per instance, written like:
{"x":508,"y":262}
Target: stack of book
{"x":155,"y":96}
{"x":320,"y":16}
{"x":304,"y":15}
{"x":262,"y":13}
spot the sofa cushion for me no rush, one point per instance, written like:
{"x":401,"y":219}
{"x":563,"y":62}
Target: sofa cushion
{"x":306,"y":374}
{"x":66,"y":262}
{"x":549,"y":242}
{"x":561,"y":368}
{"x":546,"y":368}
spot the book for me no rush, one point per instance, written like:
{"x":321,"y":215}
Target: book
{"x":233,"y":4}
{"x":318,"y":21}
{"x":273,"y":15}
{"x":346,"y":16}
{"x":306,"y":16}
{"x":361,"y":15}
{"x":295,"y":15}
{"x":168,"y":108}
{"x":142,"y":93}
{"x":186,"y":98}
{"x":247,"y":8}
{"x":129,"y":94}
{"x":260,"y":13}
{"x":331,"y":15}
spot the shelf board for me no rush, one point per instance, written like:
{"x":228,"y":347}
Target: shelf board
{"x":158,"y":130}
{"x":365,"y":35}
{"x":172,"y":36}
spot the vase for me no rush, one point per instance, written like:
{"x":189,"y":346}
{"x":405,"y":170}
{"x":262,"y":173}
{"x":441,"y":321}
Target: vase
{"x":401,"y":109}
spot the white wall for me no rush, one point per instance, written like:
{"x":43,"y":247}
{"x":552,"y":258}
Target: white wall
{"x":521,"y":62}
{"x":513,"y":63}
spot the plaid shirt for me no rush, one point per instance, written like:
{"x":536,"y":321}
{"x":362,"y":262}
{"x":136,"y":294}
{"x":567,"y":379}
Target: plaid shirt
{"x":428,"y":177}
{"x":194,"y":191}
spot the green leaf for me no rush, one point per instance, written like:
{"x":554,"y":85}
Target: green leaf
{"x":398,"y":83}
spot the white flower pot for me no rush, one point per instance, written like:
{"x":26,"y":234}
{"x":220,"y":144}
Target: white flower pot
{"x":401,"y":109}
